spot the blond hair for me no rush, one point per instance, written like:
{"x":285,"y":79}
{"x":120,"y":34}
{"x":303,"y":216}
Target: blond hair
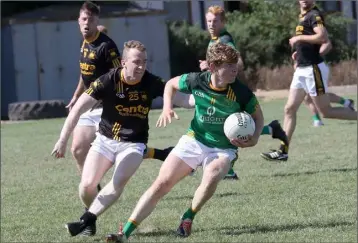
{"x":132,"y":44}
{"x":220,"y":53}
{"x":217,"y":10}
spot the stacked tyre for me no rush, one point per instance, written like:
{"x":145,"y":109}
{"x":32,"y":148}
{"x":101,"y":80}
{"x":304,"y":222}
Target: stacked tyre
{"x":33,"y":110}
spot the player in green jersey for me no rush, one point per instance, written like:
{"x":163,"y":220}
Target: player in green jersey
{"x":217,"y":94}
{"x":215,"y":20}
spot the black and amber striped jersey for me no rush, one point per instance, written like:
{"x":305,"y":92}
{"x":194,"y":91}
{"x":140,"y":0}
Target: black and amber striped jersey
{"x":308,"y":54}
{"x":125,"y":106}
{"x":98,"y":57}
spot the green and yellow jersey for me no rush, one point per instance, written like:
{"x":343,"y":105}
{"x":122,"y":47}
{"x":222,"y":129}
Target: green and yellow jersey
{"x":213,"y":106}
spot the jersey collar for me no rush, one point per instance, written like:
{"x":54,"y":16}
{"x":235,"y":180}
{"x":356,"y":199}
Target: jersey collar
{"x":222,"y":32}
{"x":94,"y":38}
{"x":124,"y":81}
{"x":306,"y":11}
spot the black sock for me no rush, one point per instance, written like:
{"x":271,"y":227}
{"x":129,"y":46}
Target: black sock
{"x":88,"y":218}
{"x":162,"y":154}
{"x":99,"y":188}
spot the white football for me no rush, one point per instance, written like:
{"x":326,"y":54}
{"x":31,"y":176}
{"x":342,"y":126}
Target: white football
{"x":239,"y":125}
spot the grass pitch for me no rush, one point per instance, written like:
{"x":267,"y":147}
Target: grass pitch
{"x":311,"y":197}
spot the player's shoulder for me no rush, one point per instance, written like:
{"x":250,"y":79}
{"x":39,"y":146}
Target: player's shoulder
{"x":151,"y":76}
{"x":106,"y":41}
{"x":197,"y":76}
{"x":315,"y":12}
{"x":241,"y":88}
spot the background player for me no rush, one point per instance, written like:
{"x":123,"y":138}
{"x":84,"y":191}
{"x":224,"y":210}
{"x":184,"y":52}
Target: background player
{"x":333,"y":98}
{"x":205,"y":143}
{"x":310,"y":77}
{"x":215,"y":20}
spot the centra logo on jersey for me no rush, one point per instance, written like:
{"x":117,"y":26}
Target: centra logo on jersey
{"x":137,"y":111}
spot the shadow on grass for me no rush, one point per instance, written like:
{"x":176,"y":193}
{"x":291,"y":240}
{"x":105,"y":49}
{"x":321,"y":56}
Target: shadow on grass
{"x":253,"y":229}
{"x":274,"y":228}
{"x":312,"y":172}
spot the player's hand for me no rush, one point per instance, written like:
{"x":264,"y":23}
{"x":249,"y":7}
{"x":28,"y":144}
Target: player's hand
{"x":59,"y":150}
{"x":203,"y":65}
{"x":250,"y":142}
{"x":166,"y":117}
{"x":294,"y":40}
{"x":72,"y":103}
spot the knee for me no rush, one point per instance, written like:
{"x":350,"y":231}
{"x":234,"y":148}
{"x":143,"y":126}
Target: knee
{"x":87,"y":186}
{"x":290,"y":110}
{"x":78,"y":150}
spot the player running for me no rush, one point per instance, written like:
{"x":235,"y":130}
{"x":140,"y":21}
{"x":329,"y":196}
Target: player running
{"x":333,"y":98}
{"x":310,"y":76}
{"x":215,"y":20}
{"x":218,"y":94}
{"x":126,"y":94}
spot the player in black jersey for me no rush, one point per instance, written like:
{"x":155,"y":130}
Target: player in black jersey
{"x":310,"y":76}
{"x":98,"y":55}
{"x":126,"y":95}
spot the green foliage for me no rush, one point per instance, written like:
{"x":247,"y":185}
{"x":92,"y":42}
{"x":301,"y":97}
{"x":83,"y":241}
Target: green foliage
{"x":262,"y":36}
{"x":188,"y":45}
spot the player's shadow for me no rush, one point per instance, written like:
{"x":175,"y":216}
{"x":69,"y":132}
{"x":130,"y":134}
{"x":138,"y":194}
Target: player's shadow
{"x":253,"y":229}
{"x":312,"y":172}
{"x":274,"y":228}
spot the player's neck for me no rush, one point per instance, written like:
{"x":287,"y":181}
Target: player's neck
{"x":217,"y":84}
{"x":305,"y":10}
{"x":127,"y":78}
{"x":92,"y":37}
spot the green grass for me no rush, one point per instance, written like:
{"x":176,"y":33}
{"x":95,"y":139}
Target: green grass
{"x":310,"y":198}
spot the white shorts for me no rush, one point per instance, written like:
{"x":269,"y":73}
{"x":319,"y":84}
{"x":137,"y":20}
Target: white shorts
{"x":90,"y":118}
{"x":113,"y":149}
{"x":313,"y":79}
{"x":195,"y":154}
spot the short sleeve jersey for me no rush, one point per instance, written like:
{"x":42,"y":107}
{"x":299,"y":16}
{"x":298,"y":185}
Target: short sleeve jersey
{"x":125,"y":106}
{"x":212,"y":107}
{"x":224,"y":37}
{"x":98,"y":57}
{"x":308,"y":54}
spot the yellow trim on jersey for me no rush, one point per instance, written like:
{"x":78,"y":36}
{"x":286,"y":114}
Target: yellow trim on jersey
{"x":89,"y":91}
{"x":94,"y":38}
{"x":231,"y":95}
{"x":190,"y":133}
{"x":216,"y":89}
{"x":115,"y":130}
{"x":116,"y":63}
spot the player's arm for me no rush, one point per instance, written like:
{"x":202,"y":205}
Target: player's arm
{"x":184,"y":100}
{"x":86,"y":101}
{"x":258,"y":117}
{"x":320,"y":35}
{"x":325,"y":48}
{"x":79,"y":90}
